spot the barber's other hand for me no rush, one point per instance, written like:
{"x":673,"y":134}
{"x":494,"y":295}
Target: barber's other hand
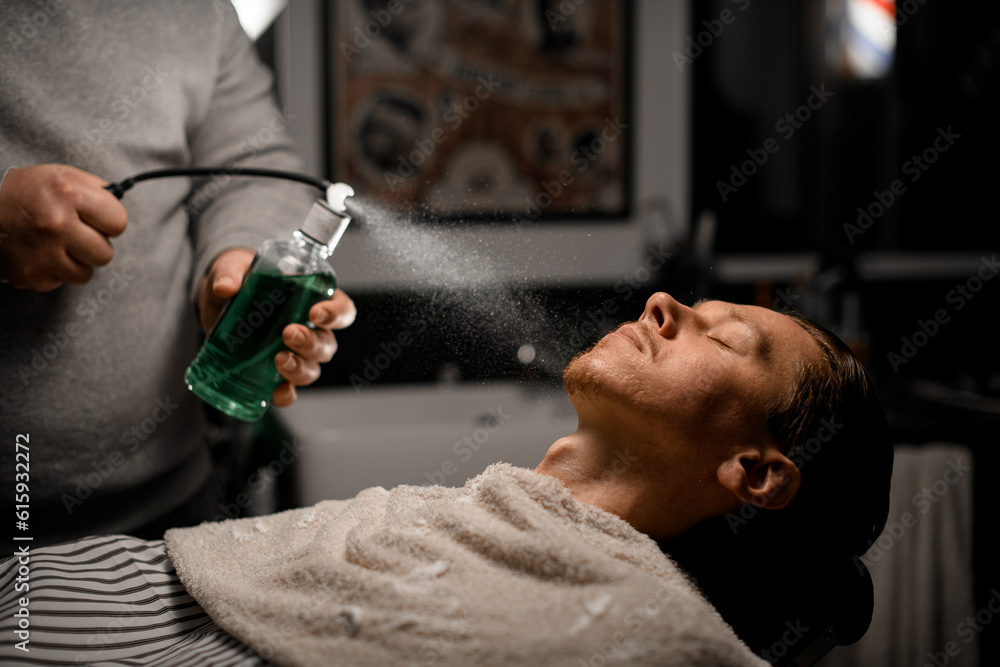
{"x":55,"y":224}
{"x":309,"y":347}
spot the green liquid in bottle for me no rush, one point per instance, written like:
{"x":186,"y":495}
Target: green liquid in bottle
{"x":235,"y":371}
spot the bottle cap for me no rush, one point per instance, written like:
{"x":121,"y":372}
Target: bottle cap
{"x":325,"y":225}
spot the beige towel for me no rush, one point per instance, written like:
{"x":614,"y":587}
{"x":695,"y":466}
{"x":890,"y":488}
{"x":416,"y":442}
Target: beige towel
{"x":508,"y":570}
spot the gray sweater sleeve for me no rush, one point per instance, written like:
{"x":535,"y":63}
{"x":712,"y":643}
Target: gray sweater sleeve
{"x":243,"y":127}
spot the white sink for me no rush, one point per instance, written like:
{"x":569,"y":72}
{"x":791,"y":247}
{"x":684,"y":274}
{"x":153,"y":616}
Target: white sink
{"x":384,"y":436}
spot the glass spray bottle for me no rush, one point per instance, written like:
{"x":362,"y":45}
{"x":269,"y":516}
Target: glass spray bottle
{"x":234,"y":370}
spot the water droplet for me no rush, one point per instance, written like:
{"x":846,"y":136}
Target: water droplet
{"x":526,"y":353}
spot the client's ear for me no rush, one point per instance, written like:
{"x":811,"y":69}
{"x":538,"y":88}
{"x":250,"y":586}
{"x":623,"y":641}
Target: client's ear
{"x":762,"y":477}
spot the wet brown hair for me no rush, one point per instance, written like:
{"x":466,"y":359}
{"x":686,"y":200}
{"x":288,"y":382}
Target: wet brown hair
{"x":834,"y":415}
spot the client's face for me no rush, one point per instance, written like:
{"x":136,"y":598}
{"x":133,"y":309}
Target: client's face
{"x":695,"y":376}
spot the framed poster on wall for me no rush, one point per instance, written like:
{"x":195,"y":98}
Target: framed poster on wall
{"x":483,"y":109}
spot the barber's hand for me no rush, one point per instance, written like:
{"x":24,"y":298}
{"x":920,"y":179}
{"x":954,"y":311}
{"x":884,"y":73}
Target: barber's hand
{"x":309,"y":347}
{"x":221,"y":283}
{"x":55,"y":224}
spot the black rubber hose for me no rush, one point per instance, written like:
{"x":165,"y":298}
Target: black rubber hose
{"x":120,"y":188}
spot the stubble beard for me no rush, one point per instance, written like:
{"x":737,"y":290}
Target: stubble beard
{"x":580,"y":377}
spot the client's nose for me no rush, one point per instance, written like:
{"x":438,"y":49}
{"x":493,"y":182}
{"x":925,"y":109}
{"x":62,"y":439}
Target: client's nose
{"x":663,"y":312}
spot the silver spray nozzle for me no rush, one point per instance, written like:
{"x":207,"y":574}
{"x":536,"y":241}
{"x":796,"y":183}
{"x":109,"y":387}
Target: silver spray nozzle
{"x":328,"y":219}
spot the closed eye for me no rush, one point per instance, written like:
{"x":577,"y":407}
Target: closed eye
{"x":722,"y":343}
{"x":758,"y":341}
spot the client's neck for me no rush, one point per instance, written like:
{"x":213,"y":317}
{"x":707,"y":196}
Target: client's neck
{"x":611,"y":473}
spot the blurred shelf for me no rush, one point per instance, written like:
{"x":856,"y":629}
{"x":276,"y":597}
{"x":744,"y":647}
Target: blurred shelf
{"x":873,"y":266}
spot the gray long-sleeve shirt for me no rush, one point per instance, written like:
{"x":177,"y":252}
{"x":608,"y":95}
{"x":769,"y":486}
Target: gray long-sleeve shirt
{"x":93,"y":374}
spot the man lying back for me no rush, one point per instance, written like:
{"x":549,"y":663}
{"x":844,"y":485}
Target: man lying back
{"x":758,"y":458}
